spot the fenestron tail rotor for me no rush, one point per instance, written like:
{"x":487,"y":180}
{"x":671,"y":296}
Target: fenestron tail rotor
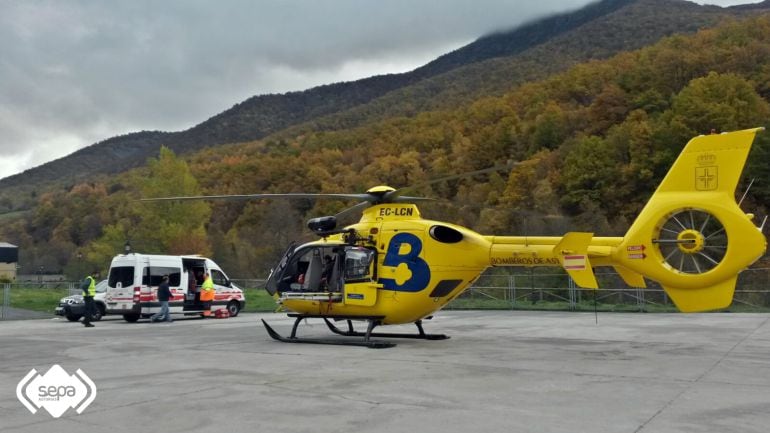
{"x":692,"y":241}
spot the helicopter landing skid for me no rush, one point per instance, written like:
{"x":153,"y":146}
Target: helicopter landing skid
{"x":366,"y":342}
{"x":352,"y":333}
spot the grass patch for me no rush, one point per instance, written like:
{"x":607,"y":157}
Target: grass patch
{"x":43,"y":299}
{"x":258,"y":300}
{"x":13,"y":215}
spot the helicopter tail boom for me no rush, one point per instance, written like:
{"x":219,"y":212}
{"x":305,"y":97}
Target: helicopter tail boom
{"x":692,"y":237}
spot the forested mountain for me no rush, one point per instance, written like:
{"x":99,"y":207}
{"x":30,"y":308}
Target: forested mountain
{"x":631,"y":25}
{"x":491,"y":65}
{"x":594,"y":140}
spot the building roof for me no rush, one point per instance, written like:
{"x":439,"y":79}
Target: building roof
{"x":7,"y":245}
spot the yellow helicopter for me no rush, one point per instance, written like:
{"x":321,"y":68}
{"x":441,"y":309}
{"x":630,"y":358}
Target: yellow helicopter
{"x":394,"y":267}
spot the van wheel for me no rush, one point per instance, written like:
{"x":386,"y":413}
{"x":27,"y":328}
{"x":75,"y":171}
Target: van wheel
{"x":131,"y":317}
{"x":233,"y":307}
{"x":74,"y":317}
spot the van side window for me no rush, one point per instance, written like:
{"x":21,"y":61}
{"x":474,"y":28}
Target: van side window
{"x":153,"y":275}
{"x":123,"y":275}
{"x":218,"y":278}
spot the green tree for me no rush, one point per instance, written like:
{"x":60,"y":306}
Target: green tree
{"x":590,"y":175}
{"x":721,"y":102}
{"x":550,"y":128}
{"x":164,"y":227}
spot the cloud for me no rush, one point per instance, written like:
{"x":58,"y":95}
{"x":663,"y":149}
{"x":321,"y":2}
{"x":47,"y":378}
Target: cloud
{"x":74,"y":72}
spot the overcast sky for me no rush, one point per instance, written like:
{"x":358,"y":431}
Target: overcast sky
{"x":75,"y":72}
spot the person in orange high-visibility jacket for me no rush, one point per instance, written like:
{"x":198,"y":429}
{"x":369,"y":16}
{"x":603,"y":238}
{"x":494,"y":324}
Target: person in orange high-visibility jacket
{"x":207,"y":294}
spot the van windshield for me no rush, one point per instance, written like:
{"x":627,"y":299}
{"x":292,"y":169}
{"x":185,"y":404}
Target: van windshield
{"x":123,"y":275}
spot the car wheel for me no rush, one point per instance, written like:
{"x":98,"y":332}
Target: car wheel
{"x":233,"y":307}
{"x":131,"y":317}
{"x":73,"y":317}
{"x":98,"y":313}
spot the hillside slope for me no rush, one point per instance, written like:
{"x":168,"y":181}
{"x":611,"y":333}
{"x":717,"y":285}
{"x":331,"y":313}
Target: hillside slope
{"x":594,"y":142}
{"x":490,"y":65}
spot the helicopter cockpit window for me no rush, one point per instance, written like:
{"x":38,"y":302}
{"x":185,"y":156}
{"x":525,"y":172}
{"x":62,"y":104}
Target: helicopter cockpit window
{"x":358,"y":264}
{"x":310,"y":270}
{"x":325,"y":269}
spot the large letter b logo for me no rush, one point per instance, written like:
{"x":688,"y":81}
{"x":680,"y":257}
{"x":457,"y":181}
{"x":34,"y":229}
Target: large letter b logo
{"x":403,"y":251}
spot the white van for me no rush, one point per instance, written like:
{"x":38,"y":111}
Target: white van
{"x":132,"y":285}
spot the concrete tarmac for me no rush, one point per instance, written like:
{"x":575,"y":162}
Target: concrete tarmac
{"x":501,"y":371}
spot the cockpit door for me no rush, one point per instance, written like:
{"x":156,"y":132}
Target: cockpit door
{"x":277,"y":273}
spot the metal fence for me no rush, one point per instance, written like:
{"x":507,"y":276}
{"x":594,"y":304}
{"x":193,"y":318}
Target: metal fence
{"x":550,"y":290}
{"x":536,"y":288}
{"x":33,"y":300}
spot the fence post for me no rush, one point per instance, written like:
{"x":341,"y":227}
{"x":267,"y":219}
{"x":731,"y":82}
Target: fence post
{"x":6,"y":300}
{"x":512,"y":290}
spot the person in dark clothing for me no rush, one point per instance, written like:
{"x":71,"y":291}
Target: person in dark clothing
{"x":88,"y":286}
{"x":328,"y":269}
{"x":164,"y":294}
{"x":191,"y":283}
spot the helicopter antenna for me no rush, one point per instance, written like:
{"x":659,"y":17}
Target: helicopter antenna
{"x":746,"y":192}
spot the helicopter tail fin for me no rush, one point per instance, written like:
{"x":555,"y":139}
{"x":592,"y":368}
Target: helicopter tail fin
{"x":633,"y":279}
{"x":692,"y":237}
{"x":572,"y":252}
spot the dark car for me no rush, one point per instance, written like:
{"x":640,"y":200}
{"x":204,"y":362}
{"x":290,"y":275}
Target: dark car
{"x":73,"y":306}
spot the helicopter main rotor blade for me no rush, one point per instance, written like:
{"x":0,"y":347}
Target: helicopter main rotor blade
{"x":393,"y":196}
{"x":352,"y":209}
{"x":409,"y":199}
{"x":263,"y":196}
{"x":367,"y":199}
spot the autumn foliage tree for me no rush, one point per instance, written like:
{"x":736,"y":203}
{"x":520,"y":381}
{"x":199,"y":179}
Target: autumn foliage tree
{"x":163,"y":227}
